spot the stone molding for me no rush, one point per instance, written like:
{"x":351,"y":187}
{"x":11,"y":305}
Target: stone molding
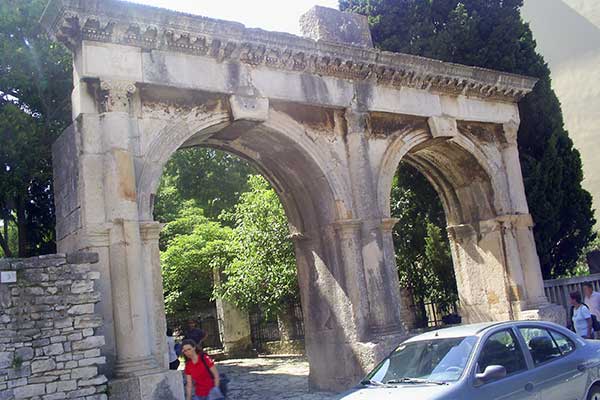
{"x":501,"y":222}
{"x":511,"y":130}
{"x":97,"y":235}
{"x":112,"y":21}
{"x":115,"y":95}
{"x":150,"y":230}
{"x":387,"y":224}
{"x":348,"y":228}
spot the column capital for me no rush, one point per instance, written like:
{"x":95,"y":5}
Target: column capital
{"x":348,"y":227}
{"x":511,"y":129}
{"x":516,"y":220}
{"x":298,"y":237}
{"x":150,"y":230}
{"x":387,"y":224}
{"x":114,"y":95}
{"x":462,"y":231}
{"x":96,"y":235}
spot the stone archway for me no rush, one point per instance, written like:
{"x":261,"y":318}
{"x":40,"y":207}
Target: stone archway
{"x":327,"y":123}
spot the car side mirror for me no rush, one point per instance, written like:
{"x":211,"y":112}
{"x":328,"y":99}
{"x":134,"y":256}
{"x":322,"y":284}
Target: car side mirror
{"x":491,"y":373}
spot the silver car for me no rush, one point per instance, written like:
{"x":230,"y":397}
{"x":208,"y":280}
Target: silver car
{"x":518,"y":360}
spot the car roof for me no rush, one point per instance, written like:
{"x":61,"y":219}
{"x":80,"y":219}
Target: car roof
{"x":467,"y":330}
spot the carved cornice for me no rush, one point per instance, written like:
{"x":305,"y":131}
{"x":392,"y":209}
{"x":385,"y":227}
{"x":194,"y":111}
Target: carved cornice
{"x":71,"y":21}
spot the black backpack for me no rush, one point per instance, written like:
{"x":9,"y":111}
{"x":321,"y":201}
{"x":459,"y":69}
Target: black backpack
{"x":595,"y":323}
{"x":224,"y":381}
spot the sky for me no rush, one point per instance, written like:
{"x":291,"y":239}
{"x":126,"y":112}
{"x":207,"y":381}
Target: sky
{"x":271,"y":15}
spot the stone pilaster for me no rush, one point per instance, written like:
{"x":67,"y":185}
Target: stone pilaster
{"x":234,"y":327}
{"x":150,"y":234}
{"x":407,"y":312}
{"x":349,"y":237}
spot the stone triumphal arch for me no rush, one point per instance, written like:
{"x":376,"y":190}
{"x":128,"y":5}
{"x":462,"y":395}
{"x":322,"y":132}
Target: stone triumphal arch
{"x":327,"y":119}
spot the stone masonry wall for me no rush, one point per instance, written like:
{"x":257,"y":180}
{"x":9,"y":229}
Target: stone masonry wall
{"x":48,"y":349}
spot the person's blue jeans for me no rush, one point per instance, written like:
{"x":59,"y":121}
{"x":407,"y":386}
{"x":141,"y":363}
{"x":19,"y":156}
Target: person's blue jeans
{"x":194,"y":397}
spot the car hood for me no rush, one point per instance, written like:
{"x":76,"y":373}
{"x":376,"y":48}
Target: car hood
{"x":412,"y":391}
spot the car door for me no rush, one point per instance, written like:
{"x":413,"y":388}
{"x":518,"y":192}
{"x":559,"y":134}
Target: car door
{"x":558,"y":370}
{"x":503,"y":348}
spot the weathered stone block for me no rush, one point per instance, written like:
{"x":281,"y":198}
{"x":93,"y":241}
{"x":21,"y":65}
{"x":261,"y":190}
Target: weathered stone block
{"x":54,"y":349}
{"x":92,"y":361}
{"x":6,"y":359}
{"x":161,"y":386}
{"x":38,"y":366}
{"x":82,"y":287}
{"x":27,"y":391}
{"x":84,"y":372}
{"x":99,"y":380}
{"x":81,"y":309}
{"x":88,"y":321}
{"x":82,"y":257}
{"x":81,"y":393}
{"x":249,"y":108}
{"x":24,"y":353}
{"x":331,"y":25}
{"x":89,"y":343}
{"x":65,"y":386}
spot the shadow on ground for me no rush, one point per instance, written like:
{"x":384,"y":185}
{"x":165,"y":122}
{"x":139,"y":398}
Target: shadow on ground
{"x":281,"y":377}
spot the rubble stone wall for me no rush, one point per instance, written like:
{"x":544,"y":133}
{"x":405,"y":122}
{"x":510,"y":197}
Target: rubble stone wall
{"x":48,"y":349}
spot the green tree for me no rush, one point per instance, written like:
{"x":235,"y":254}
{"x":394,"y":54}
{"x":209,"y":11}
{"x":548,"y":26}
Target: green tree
{"x":213,"y":178}
{"x":422,"y":251}
{"x":35,"y":86}
{"x":193,"y":248}
{"x":264,"y":270}
{"x":490,"y":33}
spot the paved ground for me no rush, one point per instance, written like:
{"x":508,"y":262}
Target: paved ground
{"x":267,"y":378}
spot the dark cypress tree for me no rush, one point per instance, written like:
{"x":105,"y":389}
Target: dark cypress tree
{"x":491,"y":34}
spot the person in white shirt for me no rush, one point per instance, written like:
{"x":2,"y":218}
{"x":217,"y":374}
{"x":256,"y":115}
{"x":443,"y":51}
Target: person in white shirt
{"x":173,"y":359}
{"x":591,"y":299}
{"x":582,"y":318}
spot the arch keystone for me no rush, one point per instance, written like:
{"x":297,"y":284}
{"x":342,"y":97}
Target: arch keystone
{"x":442,"y":127}
{"x":245,"y":108}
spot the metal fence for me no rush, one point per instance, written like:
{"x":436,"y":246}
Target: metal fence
{"x":266,"y":329}
{"x":557,"y":290}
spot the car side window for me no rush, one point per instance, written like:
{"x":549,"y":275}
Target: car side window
{"x":541,"y":345}
{"x":564,"y":343}
{"x":502,"y":349}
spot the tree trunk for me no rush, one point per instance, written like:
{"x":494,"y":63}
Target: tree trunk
{"x":4,"y":240}
{"x":285,"y":323}
{"x":22,"y":228}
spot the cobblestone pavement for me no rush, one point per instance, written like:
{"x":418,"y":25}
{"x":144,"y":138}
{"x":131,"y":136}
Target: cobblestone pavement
{"x":267,"y":378}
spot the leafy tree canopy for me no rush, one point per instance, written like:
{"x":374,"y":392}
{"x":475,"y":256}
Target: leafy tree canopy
{"x":490,"y":33}
{"x":193,"y":247}
{"x":214,"y":179}
{"x":264,"y":270}
{"x":35,"y":91}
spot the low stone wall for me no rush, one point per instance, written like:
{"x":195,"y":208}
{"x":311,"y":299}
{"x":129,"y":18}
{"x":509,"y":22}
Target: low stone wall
{"x":48,"y":349}
{"x":289,"y":347}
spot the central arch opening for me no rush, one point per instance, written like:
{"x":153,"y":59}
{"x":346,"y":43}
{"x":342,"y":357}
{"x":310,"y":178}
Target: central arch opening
{"x":279,"y":200}
{"x":423,"y":256}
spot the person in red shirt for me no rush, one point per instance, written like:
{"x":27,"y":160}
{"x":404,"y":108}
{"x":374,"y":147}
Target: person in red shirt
{"x":197,"y":367}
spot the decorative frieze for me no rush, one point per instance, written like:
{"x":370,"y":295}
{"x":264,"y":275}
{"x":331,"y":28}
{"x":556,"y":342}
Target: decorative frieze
{"x":72,"y":21}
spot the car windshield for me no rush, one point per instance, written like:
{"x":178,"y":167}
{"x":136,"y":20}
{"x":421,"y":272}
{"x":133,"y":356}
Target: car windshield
{"x":438,"y":360}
